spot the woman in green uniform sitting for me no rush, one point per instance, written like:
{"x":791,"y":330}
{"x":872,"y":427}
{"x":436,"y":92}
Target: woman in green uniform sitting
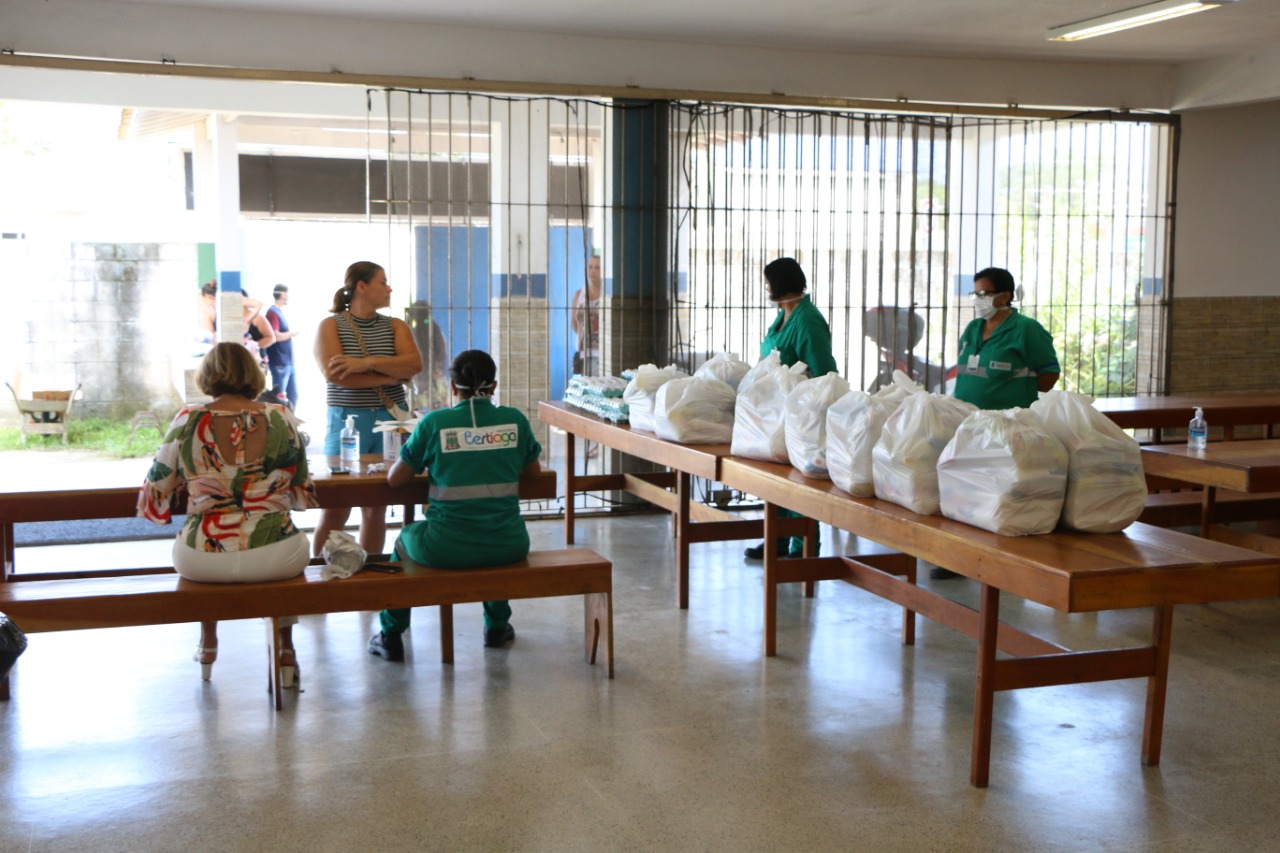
{"x":799,"y":333}
{"x":474,"y":455}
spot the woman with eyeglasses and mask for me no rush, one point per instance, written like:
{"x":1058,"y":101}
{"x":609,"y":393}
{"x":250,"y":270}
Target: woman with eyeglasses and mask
{"x":1006,"y":358}
{"x":798,"y":333}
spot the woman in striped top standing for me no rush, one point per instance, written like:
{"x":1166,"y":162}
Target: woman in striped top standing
{"x":366,"y":357}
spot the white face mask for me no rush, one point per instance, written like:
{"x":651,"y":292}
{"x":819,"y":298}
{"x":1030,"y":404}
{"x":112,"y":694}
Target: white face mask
{"x":984,"y":305}
{"x":783,"y":301}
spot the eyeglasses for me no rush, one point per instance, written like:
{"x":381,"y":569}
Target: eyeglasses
{"x":983,"y":292}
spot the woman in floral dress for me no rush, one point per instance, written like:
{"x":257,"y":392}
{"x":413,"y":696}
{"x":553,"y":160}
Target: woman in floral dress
{"x":242,"y":467}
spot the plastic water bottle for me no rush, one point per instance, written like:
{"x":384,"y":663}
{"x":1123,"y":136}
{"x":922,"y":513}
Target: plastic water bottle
{"x":350,"y":443}
{"x":1197,"y":431}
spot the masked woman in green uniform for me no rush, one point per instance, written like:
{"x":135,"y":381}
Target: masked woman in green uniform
{"x":1006,"y":358}
{"x":474,"y":455}
{"x":798,"y":333}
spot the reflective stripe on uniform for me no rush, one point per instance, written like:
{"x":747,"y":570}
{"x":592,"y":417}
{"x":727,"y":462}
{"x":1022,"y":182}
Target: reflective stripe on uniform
{"x":467,"y":493}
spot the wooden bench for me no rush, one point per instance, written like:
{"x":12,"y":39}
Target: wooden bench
{"x":114,"y":602}
{"x":1183,"y":508}
{"x":1143,"y":566}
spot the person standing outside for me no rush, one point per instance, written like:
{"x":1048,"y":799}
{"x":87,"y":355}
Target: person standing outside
{"x":366,"y":358}
{"x":1006,"y":358}
{"x":799,"y":333}
{"x":474,"y":455}
{"x":585,"y":320}
{"x":280,"y":356}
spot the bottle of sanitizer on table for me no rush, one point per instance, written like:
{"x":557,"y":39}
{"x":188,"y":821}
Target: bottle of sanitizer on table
{"x":350,"y":442}
{"x":1197,"y":432}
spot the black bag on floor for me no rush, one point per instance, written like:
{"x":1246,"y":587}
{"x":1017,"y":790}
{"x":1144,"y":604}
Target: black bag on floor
{"x":12,"y":644}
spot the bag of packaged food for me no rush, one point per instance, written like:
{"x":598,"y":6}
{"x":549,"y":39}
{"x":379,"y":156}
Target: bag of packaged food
{"x":694,"y":410}
{"x":854,"y":423}
{"x":1003,"y":472}
{"x":904,"y":463}
{"x":641,"y":390}
{"x":759,"y":427}
{"x":725,"y":366}
{"x":1106,"y":489}
{"x":805,"y":427}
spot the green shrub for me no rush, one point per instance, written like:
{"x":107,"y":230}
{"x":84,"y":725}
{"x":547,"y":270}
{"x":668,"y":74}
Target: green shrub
{"x":98,"y":434}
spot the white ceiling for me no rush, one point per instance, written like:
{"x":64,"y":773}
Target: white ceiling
{"x":959,"y":28}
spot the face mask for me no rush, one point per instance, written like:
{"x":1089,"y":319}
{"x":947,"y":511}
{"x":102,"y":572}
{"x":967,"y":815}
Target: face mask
{"x":784,"y":300}
{"x":984,"y":305}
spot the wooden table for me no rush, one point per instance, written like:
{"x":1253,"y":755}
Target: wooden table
{"x":1239,"y":466}
{"x":670,"y":490}
{"x":1143,"y":566}
{"x":1175,"y":412}
{"x":30,"y":501}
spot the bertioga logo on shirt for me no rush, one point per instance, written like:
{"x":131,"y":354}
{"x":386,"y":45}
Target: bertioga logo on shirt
{"x":459,"y":439}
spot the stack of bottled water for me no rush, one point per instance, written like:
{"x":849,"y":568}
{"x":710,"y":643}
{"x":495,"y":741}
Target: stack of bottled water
{"x":599,"y":395}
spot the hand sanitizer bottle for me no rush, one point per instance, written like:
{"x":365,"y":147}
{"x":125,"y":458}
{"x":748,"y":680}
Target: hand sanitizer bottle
{"x":350,"y":443}
{"x":1197,"y":431}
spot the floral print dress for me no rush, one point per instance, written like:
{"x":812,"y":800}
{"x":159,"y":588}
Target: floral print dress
{"x":231,"y":505}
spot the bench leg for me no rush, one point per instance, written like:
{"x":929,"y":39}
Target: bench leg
{"x":1153,"y":725}
{"x":446,"y":633}
{"x":984,"y":701}
{"x":4,"y":688}
{"x":273,"y":662}
{"x":598,"y":611}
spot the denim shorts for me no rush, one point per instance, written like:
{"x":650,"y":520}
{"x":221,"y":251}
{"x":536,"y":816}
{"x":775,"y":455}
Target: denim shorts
{"x":370,"y":441}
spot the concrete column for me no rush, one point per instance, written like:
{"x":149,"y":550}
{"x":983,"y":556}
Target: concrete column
{"x":216,"y":163}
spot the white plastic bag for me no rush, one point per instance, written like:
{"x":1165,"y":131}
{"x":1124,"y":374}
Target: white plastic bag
{"x":343,"y":556}
{"x":1003,"y":472}
{"x":854,"y":423}
{"x":641,"y":390}
{"x":759,"y":426}
{"x":1106,"y":490}
{"x":725,"y":366}
{"x":806,"y":422}
{"x":694,"y":410}
{"x":904,"y":463}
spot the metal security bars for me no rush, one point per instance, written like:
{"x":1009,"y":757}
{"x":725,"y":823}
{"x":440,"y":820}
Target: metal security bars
{"x":890,"y":215}
{"x":496,"y":206}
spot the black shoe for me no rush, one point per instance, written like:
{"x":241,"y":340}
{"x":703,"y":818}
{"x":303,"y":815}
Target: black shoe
{"x":938,"y":573}
{"x":388,"y":646}
{"x":756,"y":552}
{"x":496,"y":638}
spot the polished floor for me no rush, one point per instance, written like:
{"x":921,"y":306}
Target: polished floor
{"x":845,"y":741}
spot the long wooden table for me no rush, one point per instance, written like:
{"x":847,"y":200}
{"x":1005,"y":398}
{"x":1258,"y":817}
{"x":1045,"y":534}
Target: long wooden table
{"x":1251,"y":467}
{"x":670,"y":490}
{"x":1175,"y":412}
{"x":1142,"y":567}
{"x":22,"y":502}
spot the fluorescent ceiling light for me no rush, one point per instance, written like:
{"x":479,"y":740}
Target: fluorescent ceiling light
{"x":1136,"y":17}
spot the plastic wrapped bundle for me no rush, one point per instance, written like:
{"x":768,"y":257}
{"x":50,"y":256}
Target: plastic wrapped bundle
{"x":806,"y":422}
{"x":904,"y":463}
{"x":854,"y":423}
{"x":1004,"y":472}
{"x":599,"y":395}
{"x":641,"y":390}
{"x":1106,"y":490}
{"x":725,"y":366}
{"x":694,"y":411}
{"x":759,"y":426}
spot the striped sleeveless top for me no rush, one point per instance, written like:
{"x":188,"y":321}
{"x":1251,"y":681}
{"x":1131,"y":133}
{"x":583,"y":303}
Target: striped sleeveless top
{"x":379,"y":339}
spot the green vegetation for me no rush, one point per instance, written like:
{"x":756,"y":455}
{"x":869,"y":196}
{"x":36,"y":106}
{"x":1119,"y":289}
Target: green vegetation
{"x":107,"y":437}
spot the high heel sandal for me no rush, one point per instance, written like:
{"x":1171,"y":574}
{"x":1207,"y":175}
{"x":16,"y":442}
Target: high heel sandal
{"x":205,"y":657}
{"x":290,"y":672}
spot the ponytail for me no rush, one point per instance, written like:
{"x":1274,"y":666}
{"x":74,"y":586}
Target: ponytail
{"x":356,"y":273}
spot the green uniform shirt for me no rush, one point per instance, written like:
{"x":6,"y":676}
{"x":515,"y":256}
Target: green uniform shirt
{"x":473,"y":518}
{"x":1000,"y":372}
{"x":804,"y":337}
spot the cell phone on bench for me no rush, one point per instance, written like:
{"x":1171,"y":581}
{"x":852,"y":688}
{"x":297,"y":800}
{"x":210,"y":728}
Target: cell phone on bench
{"x":387,"y":568}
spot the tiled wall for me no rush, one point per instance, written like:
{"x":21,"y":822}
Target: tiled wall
{"x":1224,"y":344}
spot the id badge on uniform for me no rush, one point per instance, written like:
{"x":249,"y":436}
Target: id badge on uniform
{"x":973,"y":362}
